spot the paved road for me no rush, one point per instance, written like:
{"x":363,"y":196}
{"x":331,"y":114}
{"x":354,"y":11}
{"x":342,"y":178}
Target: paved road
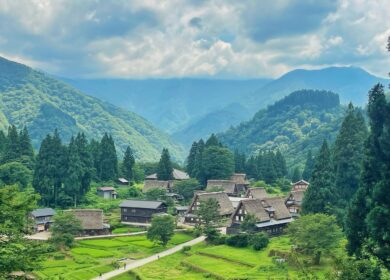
{"x":135,"y":264}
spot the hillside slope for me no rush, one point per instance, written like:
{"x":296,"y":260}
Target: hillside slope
{"x":29,"y":97}
{"x":295,"y":124}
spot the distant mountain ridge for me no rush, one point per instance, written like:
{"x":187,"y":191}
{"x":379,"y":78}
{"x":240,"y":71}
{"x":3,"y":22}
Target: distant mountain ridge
{"x":190,"y":109}
{"x":33,"y":99}
{"x":293,"y":125}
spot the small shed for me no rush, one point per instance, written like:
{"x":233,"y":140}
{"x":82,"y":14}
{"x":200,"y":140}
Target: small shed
{"x":123,"y":181}
{"x":43,"y":218}
{"x":107,"y":192}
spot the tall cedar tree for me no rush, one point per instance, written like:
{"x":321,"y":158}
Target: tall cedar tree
{"x":212,"y":141}
{"x":108,"y":161}
{"x":309,"y":166}
{"x":3,"y":144}
{"x":348,"y":154}
{"x":239,"y":162}
{"x":296,"y":175}
{"x":165,"y":169}
{"x":218,"y":163}
{"x":12,"y":151}
{"x":320,"y":197}
{"x":86,"y":162}
{"x":128,"y":164}
{"x":50,"y":169}
{"x":190,"y":166}
{"x":198,"y":171}
{"x":372,"y":202}
{"x":26,"y":148}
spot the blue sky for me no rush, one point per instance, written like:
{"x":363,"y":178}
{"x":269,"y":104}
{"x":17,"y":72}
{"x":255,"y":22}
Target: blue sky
{"x":194,"y":38}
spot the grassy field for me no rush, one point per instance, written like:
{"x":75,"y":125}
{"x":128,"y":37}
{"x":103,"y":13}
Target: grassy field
{"x":91,"y":257}
{"x":224,"y":262}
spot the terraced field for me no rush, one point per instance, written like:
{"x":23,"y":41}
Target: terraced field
{"x":89,"y":258}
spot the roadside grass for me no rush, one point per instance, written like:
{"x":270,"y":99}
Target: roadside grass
{"x":127,"y":229}
{"x":90,"y":257}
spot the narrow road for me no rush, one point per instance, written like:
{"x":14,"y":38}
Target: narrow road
{"x":135,"y":264}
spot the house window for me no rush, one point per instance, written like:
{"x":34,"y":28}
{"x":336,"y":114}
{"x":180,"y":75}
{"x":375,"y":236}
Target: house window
{"x":124,"y":209}
{"x":237,"y":218}
{"x":133,"y":210}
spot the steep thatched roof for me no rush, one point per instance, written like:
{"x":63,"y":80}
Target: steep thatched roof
{"x":227,"y":186}
{"x":90,"y":218}
{"x":177,"y":175}
{"x":239,"y":178}
{"x":226,"y":206}
{"x":259,"y":193}
{"x":297,"y":196}
{"x":255,"y":207}
{"x":155,"y":184}
{"x":279,"y":207}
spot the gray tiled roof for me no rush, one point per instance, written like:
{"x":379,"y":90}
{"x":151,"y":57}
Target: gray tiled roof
{"x":148,"y":204}
{"x":43,"y":212}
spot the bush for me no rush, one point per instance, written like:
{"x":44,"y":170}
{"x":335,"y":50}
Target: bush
{"x":58,"y":256}
{"x":239,"y":240}
{"x":185,"y":249}
{"x":259,"y":241}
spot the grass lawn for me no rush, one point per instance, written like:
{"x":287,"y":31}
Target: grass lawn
{"x":91,"y":257}
{"x":227,"y":262}
{"x":127,"y":229}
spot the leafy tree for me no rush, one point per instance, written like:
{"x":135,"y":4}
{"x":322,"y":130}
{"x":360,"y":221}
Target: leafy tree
{"x":309,"y":166}
{"x":155,"y":194}
{"x":108,"y":161}
{"x":218,"y":163}
{"x":249,"y":224}
{"x":186,"y":188}
{"x":320,"y":196}
{"x":348,"y":153}
{"x":162,"y":229}
{"x":315,"y":235}
{"x":165,"y":169}
{"x":65,"y":227}
{"x":128,"y":164}
{"x":259,"y":241}
{"x":208,"y":212}
{"x":15,"y":173}
{"x":296,"y":175}
{"x":352,"y":269}
{"x":17,"y":253}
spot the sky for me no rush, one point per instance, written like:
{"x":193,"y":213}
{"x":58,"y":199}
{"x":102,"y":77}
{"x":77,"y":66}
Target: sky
{"x":194,"y":38}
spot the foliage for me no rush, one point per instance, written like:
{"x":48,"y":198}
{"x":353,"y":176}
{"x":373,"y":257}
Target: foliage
{"x":238,"y":240}
{"x":155,"y":194}
{"x":297,"y":123}
{"x":315,"y":235}
{"x":17,"y":253}
{"x":186,"y":188}
{"x":65,"y":227}
{"x":309,"y":166}
{"x":45,"y":103}
{"x":162,"y":229}
{"x":249,"y":224}
{"x":15,"y":173}
{"x":208,"y":212}
{"x":108,"y":161}
{"x":352,"y":269}
{"x":218,"y":163}
{"x":164,"y":168}
{"x":259,"y":241}
{"x":321,"y":195}
{"x":372,"y":203}
{"x":128,"y":164}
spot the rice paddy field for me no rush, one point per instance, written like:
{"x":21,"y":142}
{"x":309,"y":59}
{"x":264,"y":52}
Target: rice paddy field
{"x":89,"y":258}
{"x":224,"y":262}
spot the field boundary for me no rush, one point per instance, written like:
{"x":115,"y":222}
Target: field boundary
{"x":226,"y":259}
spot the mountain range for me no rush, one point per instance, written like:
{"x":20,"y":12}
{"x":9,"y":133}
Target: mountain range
{"x":42,"y":103}
{"x":190,"y":109}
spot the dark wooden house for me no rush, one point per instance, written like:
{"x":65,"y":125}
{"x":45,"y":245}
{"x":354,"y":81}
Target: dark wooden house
{"x":42,"y":218}
{"x":294,"y":202}
{"x":141,"y":211}
{"x":225,"y":205}
{"x":271,"y":214}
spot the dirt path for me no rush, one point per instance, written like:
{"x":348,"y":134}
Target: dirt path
{"x":135,"y":264}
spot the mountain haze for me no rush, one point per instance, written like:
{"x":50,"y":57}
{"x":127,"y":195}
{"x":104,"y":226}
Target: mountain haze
{"x":33,"y":99}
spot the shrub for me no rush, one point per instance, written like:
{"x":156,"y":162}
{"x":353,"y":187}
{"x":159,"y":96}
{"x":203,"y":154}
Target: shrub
{"x":259,"y":241}
{"x":58,"y":256}
{"x":185,"y":249}
{"x":239,"y":240}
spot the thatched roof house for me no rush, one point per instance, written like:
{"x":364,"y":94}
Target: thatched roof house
{"x":259,"y":193}
{"x":91,"y":220}
{"x":156,"y":184}
{"x":177,"y":175}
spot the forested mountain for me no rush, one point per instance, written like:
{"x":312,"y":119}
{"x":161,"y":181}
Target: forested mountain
{"x":295,"y":124}
{"x":351,"y":83}
{"x":170,"y":104}
{"x":191,"y":109}
{"x":33,"y":99}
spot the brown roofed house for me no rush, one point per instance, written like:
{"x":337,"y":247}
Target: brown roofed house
{"x":241,"y":182}
{"x":225,"y":210}
{"x":259,"y":193}
{"x":91,"y":221}
{"x":271,"y":215}
{"x":300,"y":185}
{"x":155,"y":184}
{"x":294,"y":201}
{"x":226,"y":186}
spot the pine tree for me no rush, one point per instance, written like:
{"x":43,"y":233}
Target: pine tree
{"x":269,"y":171}
{"x":85,"y":156}
{"x":320,"y":196}
{"x":73,"y":175}
{"x":239,"y":162}
{"x":213,"y":141}
{"x":165,"y":169}
{"x":12,"y":151}
{"x":108,"y":161}
{"x":25,"y":146}
{"x":296,"y":175}
{"x":348,"y":154}
{"x":3,"y":144}
{"x":191,"y":159}
{"x":218,"y":163}
{"x":198,"y":171}
{"x":280,"y":165}
{"x":128,"y":164}
{"x":94,"y":150}
{"x":309,"y":166}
